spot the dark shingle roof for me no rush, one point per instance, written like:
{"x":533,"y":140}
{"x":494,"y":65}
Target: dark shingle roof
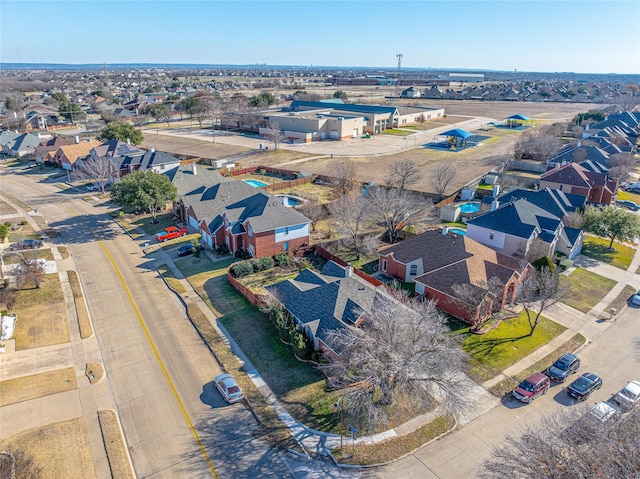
{"x":554,"y":201}
{"x":519,"y":218}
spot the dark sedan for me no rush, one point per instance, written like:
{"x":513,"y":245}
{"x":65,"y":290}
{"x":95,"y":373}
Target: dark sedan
{"x":582,"y":387}
{"x":566,"y":365}
{"x":26,"y":244}
{"x":185,"y":250}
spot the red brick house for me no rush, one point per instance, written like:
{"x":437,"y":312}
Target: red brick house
{"x":575,"y":179}
{"x":437,"y":260}
{"x":232,"y":214}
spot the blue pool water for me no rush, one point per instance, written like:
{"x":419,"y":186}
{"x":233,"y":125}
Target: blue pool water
{"x":255,"y":183}
{"x":458,"y":232}
{"x":469,"y":207}
{"x":289,"y":200}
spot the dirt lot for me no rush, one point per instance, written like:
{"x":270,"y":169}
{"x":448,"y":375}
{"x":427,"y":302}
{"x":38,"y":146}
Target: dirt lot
{"x":189,"y":146}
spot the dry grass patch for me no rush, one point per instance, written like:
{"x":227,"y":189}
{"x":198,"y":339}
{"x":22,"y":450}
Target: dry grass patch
{"x":21,"y":232}
{"x":84,"y":321}
{"x":59,"y":450}
{"x":621,"y":300}
{"x":17,"y":256}
{"x":173,"y":282}
{"x":42,"y":315}
{"x":64,"y":252}
{"x":115,"y":446}
{"x":94,"y":372}
{"x":35,"y":386}
{"x":6,"y":209}
{"x":19,"y":203}
{"x":396,"y":447}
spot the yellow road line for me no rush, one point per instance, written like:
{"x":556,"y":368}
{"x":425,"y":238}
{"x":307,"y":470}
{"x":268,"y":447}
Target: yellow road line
{"x":203,"y":451}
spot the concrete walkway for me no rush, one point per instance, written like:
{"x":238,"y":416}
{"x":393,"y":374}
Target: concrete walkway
{"x":591,"y":324}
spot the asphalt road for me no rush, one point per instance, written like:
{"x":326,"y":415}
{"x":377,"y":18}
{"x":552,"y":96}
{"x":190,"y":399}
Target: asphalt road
{"x":160,"y":372}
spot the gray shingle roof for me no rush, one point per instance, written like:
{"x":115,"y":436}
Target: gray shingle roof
{"x":554,"y":201}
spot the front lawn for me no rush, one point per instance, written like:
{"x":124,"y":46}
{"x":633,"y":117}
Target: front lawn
{"x":143,"y":222}
{"x":585,"y":289}
{"x":625,"y":195}
{"x":396,"y":132}
{"x":598,"y":248}
{"x":496,"y":350}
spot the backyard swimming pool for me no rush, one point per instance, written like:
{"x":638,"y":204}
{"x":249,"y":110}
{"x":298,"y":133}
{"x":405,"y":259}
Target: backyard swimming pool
{"x":458,"y":231}
{"x":255,"y":183}
{"x":290,"y":200}
{"x":471,"y":207}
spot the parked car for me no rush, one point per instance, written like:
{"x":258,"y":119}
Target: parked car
{"x":628,"y":204}
{"x":582,"y":387}
{"x":26,"y":244}
{"x":170,"y":233}
{"x":604,"y":411}
{"x":635,"y":299}
{"x":185,"y":250}
{"x":535,"y":385}
{"x":566,"y":365}
{"x":634,"y":189}
{"x":229,"y":388}
{"x":629,"y":396}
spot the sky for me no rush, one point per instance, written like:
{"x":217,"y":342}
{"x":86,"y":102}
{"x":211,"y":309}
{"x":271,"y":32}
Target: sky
{"x":526,"y":35}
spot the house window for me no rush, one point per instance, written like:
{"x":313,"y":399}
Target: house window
{"x":286,"y":230}
{"x":250,"y":231}
{"x":413,"y":270}
{"x":384,"y":265}
{"x":491,"y":235}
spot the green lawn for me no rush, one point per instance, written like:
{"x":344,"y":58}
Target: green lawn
{"x":625,"y":195}
{"x":143,"y":223}
{"x":396,"y":132}
{"x":493,"y":352}
{"x":598,"y":248}
{"x":585,"y":289}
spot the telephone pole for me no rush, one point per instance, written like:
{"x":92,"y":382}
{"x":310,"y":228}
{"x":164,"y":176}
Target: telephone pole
{"x":399,"y":56}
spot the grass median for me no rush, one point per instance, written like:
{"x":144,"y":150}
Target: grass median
{"x":84,"y":322}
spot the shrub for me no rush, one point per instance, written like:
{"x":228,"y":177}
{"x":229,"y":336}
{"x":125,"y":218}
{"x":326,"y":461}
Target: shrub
{"x":263,"y":264}
{"x":281,"y":259}
{"x":544,"y":262}
{"x":4,"y":231}
{"x":242,"y":268}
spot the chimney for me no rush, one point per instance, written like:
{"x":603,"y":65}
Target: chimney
{"x":579,"y":144}
{"x":128,"y":141}
{"x":496,"y":190}
{"x":444,"y":231}
{"x":152,"y":150}
{"x":349,"y":270}
{"x":194,"y":169}
{"x":495,"y":204}
{"x":557,"y":166}
{"x":76,"y":139}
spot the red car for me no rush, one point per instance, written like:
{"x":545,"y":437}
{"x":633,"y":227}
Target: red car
{"x":170,"y":233}
{"x":535,"y":385}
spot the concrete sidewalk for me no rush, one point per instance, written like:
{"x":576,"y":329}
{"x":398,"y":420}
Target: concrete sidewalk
{"x":591,"y":324}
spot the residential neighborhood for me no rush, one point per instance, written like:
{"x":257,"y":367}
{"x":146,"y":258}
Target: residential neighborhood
{"x":291,"y":270}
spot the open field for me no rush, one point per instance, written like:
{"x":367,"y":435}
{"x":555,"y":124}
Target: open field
{"x":189,"y":146}
{"x":56,"y":450}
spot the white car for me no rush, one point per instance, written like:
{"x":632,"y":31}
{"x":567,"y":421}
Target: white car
{"x":603,"y":411}
{"x":629,"y":396}
{"x":229,"y":388}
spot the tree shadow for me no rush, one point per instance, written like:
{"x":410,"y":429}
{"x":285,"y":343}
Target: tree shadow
{"x":84,"y":229}
{"x":487,"y":346}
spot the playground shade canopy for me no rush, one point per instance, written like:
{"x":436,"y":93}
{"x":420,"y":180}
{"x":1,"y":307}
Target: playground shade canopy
{"x":518,"y":116}
{"x":457,"y":133}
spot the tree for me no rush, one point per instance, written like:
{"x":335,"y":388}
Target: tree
{"x":541,"y":290}
{"x":71,"y":112}
{"x":263,"y":99}
{"x":421,"y":118}
{"x":123,"y":131}
{"x":8,"y":298}
{"x":442,"y":176}
{"x":157,"y":111}
{"x":275,"y":134}
{"x":28,"y":270}
{"x":539,"y":143}
{"x":403,"y":173}
{"x":191,"y":105}
{"x":349,"y":216}
{"x":16,"y":463}
{"x":99,"y":169}
{"x":314,"y":211}
{"x":347,"y":178}
{"x":569,"y":444}
{"x":144,"y":191}
{"x":481,"y":299}
{"x":622,"y":164}
{"x":399,"y":347}
{"x":394,"y":210}
{"x":611,"y":222}
{"x":341,"y":94}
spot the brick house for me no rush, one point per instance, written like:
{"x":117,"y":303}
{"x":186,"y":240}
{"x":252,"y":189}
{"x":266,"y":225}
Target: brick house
{"x":578,"y":180}
{"x":232,"y":214}
{"x":439,"y":259}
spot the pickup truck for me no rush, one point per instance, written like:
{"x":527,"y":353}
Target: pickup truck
{"x":170,"y":233}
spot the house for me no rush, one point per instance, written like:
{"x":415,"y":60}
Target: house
{"x":67,"y":155}
{"x":234,"y":215}
{"x":411,"y":92}
{"x":578,"y":180}
{"x":111,"y":148}
{"x":437,"y":260}
{"x":6,"y":137}
{"x":21,"y":145}
{"x":46,"y":149}
{"x":151,"y":160}
{"x":328,"y":301}
{"x":524,"y":228}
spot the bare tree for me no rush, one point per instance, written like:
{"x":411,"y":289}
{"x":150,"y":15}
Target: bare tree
{"x":421,"y":118}
{"x":622,"y":164}
{"x":8,"y":298}
{"x":314,"y":211}
{"x":16,"y":463}
{"x":538,"y":249}
{"x":541,"y":290}
{"x":573,"y":220}
{"x":539,"y":144}
{"x":395,"y":210}
{"x":275,"y":134}
{"x":400,"y":347}
{"x":403,"y":173}
{"x":101,"y":170}
{"x":481,"y":299}
{"x":442,"y":176}
{"x":28,"y":270}
{"x":347,"y":178}
{"x":569,"y":444}
{"x":349,"y":217}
